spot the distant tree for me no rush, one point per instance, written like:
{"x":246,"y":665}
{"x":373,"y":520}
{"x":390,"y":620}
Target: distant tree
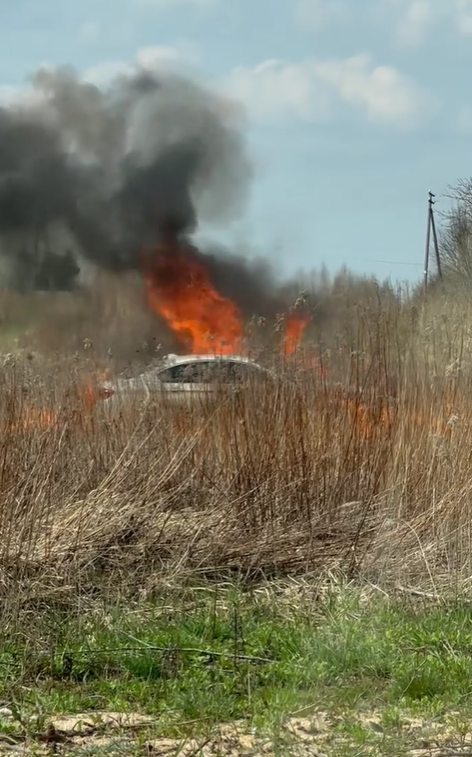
{"x":57,"y":272}
{"x":49,"y":271}
{"x":456,"y":235}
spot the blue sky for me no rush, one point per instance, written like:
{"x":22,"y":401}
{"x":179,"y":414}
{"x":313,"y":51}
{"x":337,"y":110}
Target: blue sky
{"x":354,"y":108}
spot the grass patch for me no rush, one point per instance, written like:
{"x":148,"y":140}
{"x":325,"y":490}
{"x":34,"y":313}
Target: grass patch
{"x":362,"y":469}
{"x":201,"y":657}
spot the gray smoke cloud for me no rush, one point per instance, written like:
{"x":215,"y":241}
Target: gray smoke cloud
{"x":113,"y":166}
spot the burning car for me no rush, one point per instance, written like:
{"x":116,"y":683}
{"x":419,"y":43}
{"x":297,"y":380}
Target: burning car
{"x":185,"y":378}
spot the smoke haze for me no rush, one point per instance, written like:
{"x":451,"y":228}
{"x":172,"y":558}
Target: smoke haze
{"x":114,"y":166}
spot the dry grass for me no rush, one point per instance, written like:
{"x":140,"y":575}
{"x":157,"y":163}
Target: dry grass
{"x":125,"y":538}
{"x":365,"y":465}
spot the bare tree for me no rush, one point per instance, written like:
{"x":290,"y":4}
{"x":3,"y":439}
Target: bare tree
{"x":456,"y":235}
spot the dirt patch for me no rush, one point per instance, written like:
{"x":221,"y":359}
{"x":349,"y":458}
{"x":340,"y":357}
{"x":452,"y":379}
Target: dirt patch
{"x":102,"y":720}
{"x":319,"y":735}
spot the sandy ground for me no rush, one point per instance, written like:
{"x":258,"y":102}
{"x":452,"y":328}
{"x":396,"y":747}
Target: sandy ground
{"x":319,"y":735}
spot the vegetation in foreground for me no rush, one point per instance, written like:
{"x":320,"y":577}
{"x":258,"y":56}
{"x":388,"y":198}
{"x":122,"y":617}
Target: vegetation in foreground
{"x":362,"y":468}
{"x":295,"y":665}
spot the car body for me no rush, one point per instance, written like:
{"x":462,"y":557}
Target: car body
{"x":185,"y":379}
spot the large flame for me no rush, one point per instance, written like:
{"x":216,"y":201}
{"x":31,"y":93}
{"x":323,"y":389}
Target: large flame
{"x":179,"y":290}
{"x":295,"y":325}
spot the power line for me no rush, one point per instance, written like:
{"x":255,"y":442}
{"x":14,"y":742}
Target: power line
{"x":395,"y":262}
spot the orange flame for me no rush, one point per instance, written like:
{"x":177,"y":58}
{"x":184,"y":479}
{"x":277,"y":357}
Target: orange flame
{"x":33,"y":417}
{"x":78,"y":414}
{"x":369,"y":419}
{"x":294,"y":327}
{"x":179,"y":290}
{"x":91,"y":391}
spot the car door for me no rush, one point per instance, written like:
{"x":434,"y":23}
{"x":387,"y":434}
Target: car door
{"x":187,"y":382}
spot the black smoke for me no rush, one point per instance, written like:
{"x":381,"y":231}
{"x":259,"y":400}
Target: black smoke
{"x":107,"y":169}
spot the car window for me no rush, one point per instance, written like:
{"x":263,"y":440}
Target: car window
{"x":199,"y":372}
{"x":209,"y":372}
{"x":243,"y":371}
{"x":225,"y":372}
{"x":185,"y":373}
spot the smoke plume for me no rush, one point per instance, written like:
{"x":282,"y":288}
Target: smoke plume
{"x":112,"y":167}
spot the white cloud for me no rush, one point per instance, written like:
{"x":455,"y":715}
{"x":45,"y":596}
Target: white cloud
{"x":413,"y":20}
{"x":463,"y":120}
{"x":103,"y":73}
{"x":89,"y":33}
{"x":165,"y":5}
{"x":409,"y":22}
{"x":317,"y":14}
{"x":415,"y":23}
{"x":382,"y":91}
{"x":462,"y":17}
{"x":277,"y":88}
{"x":310,"y":89}
{"x":154,"y":58}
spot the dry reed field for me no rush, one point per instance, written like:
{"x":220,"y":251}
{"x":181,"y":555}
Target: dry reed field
{"x":239,"y":545}
{"x":357,"y":456}
{"x":278,"y":567}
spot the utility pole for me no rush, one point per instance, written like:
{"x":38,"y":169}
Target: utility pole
{"x":431,"y":227}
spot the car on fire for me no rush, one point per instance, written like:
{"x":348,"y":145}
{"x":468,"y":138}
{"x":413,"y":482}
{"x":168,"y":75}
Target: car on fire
{"x":186,"y":378}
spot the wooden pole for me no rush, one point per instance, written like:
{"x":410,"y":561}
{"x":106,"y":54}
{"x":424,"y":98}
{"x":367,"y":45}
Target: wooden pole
{"x":435,"y":242}
{"x":428,"y":242}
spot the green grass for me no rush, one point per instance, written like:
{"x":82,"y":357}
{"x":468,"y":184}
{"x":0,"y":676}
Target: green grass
{"x":206,"y":657}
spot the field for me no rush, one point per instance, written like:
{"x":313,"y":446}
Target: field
{"x":284,"y":572}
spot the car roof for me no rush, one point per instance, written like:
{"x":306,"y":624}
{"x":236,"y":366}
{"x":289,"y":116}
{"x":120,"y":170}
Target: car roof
{"x":179,"y":359}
